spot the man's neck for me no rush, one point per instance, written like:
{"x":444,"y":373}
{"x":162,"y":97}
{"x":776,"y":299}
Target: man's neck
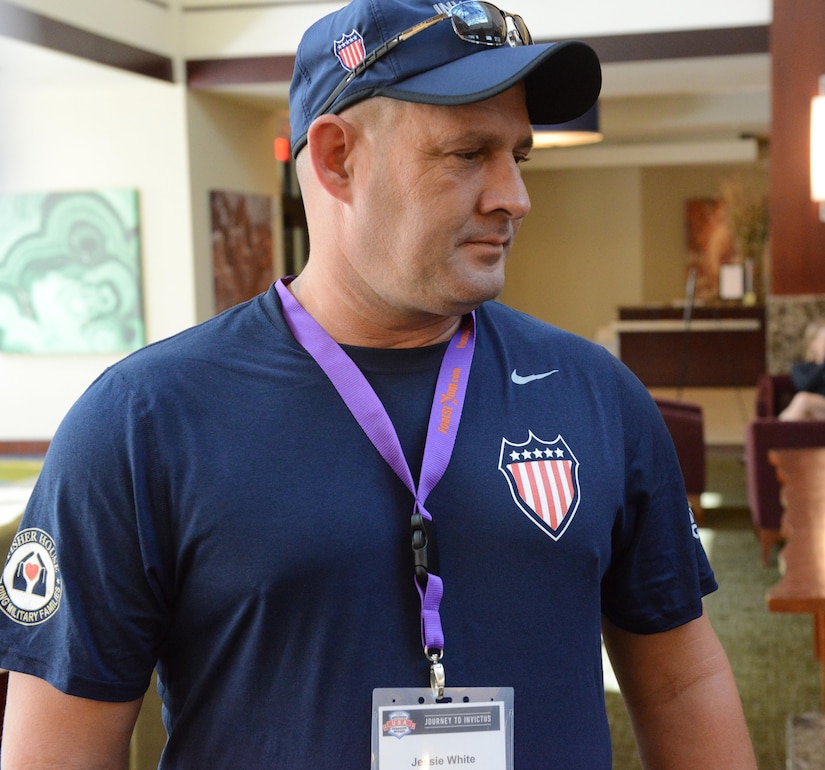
{"x":350,"y":322}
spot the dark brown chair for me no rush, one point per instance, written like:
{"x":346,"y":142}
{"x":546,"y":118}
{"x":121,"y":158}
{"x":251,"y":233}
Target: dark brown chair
{"x":685,"y":421}
{"x":766,"y":432}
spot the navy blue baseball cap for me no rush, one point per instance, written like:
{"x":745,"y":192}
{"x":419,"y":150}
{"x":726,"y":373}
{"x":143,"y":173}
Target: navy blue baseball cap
{"x":434,"y":65}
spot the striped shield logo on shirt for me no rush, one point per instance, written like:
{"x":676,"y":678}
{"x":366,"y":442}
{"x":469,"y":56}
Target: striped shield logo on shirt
{"x":544,"y":481}
{"x":350,"y":50}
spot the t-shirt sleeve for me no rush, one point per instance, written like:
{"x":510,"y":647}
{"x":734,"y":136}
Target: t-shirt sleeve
{"x":84,"y":591}
{"x":659,"y":571}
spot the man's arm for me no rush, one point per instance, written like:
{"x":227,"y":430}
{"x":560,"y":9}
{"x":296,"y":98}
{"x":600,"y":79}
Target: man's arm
{"x":45,"y":728}
{"x":681,"y":696}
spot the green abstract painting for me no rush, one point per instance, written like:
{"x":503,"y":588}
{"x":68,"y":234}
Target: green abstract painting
{"x":70,"y":277}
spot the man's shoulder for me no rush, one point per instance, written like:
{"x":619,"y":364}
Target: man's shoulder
{"x":235,"y":333}
{"x":210,"y":363}
{"x":522,"y":327}
{"x":506,"y":334}
{"x":210,"y":357}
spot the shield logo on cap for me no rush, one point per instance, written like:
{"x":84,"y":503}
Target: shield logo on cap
{"x":350,"y":50}
{"x":544,"y":481}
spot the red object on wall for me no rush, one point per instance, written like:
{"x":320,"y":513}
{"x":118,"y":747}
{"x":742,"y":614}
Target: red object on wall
{"x":282,"y":151}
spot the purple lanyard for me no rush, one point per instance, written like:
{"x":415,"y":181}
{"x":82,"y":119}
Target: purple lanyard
{"x":445,"y":416}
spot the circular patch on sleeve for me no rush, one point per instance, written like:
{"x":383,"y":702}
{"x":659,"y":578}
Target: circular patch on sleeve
{"x":31,"y":587}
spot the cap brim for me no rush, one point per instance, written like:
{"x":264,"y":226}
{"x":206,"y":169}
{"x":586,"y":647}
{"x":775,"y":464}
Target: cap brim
{"x":563,"y":80}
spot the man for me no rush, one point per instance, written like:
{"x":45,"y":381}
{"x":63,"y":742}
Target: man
{"x":252,"y":504}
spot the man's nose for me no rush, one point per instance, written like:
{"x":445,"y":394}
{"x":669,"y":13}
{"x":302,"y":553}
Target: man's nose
{"x":506,"y":190}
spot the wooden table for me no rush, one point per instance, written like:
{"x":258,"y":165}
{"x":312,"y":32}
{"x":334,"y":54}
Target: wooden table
{"x":722,"y":346}
{"x":802,"y":586}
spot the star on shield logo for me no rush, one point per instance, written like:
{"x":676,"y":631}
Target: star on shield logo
{"x":544,"y":481}
{"x":350,"y":50}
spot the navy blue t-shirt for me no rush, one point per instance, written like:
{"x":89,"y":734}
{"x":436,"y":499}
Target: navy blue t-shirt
{"x":210,"y":507}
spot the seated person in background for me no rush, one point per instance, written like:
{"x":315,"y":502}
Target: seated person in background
{"x":808,"y":378}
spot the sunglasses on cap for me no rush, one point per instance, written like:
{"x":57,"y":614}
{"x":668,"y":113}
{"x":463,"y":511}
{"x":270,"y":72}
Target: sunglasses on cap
{"x":475,"y":22}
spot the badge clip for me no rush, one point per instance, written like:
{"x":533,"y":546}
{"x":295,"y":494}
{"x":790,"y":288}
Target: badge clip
{"x":437,"y":678}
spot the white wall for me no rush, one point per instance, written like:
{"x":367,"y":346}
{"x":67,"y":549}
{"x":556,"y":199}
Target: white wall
{"x":231,"y":148}
{"x":128,"y":135}
{"x":173,"y":146}
{"x":607,"y":17}
{"x":142,"y":23}
{"x":214,"y":28}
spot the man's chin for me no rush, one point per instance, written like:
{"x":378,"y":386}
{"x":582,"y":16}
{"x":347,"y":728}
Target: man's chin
{"x":472,"y":293}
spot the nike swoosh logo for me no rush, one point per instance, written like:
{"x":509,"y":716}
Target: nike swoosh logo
{"x":519,"y":380}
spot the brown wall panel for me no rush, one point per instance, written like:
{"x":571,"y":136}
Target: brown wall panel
{"x":797,"y":235}
{"x":30,"y":27}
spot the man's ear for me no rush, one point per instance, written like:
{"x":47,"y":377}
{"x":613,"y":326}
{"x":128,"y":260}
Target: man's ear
{"x":329,"y":142}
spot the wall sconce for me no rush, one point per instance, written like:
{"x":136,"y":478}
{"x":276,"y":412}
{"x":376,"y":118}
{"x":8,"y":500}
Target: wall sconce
{"x":582,"y":130}
{"x":818,"y":149}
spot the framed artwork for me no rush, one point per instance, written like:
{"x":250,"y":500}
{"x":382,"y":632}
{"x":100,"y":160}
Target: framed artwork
{"x":708,"y":244}
{"x":732,"y":281}
{"x":70,"y":278}
{"x":242,"y":255}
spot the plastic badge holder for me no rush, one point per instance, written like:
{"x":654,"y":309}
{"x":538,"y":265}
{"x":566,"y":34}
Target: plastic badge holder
{"x":470,"y":727}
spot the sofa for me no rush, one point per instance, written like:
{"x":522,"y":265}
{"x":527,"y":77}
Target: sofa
{"x":764,"y":433}
{"x":685,"y":421}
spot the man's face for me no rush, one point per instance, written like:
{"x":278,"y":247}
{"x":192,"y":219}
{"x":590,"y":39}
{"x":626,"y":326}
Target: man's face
{"x":438,"y":201}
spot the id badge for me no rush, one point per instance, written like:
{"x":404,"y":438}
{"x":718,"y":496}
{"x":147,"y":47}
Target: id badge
{"x":470,"y":727}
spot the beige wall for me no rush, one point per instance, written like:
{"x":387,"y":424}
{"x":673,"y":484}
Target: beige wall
{"x":579,"y":250}
{"x":173,"y":147}
{"x":599,"y":238}
{"x":67,"y":139}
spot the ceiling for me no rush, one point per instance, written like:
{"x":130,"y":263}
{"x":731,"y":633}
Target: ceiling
{"x":695,"y":103}
{"x":665,"y":112}
{"x":26,"y":64}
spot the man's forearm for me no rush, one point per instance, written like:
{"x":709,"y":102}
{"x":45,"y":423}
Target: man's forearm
{"x":681,"y":696}
{"x":701,"y":726}
{"x":73,"y":733}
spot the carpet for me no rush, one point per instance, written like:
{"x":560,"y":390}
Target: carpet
{"x":772,"y":654}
